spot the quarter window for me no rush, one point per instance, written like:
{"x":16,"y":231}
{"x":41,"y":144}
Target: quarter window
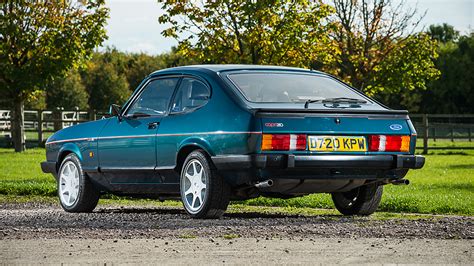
{"x":155,"y":98}
{"x":191,"y":95}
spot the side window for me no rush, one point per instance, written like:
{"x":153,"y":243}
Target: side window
{"x":155,"y":98}
{"x":191,"y":94}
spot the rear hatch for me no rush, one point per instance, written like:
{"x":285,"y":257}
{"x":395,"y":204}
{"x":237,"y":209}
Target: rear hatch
{"x":309,"y":112}
{"x":336,"y":131}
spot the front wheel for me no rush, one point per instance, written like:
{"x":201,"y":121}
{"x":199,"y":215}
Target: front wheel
{"x":363,"y":200}
{"x":76,"y":193}
{"x":204,"y":193}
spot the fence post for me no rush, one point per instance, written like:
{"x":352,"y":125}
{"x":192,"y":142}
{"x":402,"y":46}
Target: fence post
{"x":469,"y":134}
{"x":77,"y":116}
{"x":40,"y":127}
{"x":91,"y":115}
{"x":425,"y":135}
{"x":452,"y":134}
{"x":58,"y":118}
{"x":434,"y":134}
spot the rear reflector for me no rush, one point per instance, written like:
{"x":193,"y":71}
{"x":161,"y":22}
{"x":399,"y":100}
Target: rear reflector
{"x":389,"y":143}
{"x":283,"y":142}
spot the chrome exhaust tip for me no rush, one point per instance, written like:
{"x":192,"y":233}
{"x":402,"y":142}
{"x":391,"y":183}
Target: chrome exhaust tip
{"x":264,"y":184}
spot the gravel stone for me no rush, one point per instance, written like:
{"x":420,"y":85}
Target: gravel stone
{"x":36,"y":220}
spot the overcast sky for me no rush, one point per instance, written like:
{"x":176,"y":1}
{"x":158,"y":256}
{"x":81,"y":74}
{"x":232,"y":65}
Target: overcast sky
{"x":133,"y":24}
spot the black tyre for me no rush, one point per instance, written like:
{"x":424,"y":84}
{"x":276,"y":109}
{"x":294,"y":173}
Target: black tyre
{"x":76,"y":193}
{"x":204,"y":193}
{"x":363,"y":200}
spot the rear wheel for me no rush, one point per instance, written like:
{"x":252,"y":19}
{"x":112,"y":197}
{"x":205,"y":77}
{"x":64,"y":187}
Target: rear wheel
{"x":204,"y":193}
{"x":363,"y":200}
{"x":76,"y":193}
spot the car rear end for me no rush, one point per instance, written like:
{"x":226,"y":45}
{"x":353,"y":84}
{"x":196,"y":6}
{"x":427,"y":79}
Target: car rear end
{"x":320,"y":135}
{"x":339,"y":145}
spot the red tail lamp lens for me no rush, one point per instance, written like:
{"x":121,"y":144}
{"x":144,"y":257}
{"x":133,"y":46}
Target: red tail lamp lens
{"x":283,"y":142}
{"x":389,"y":143}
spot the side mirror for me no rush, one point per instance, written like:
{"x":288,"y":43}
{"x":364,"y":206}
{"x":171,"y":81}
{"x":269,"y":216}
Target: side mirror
{"x":114,"y":110}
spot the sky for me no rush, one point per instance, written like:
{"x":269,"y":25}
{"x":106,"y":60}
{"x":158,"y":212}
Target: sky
{"x":133,"y":24}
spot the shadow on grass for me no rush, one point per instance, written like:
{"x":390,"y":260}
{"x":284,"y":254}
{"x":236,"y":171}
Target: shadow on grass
{"x":448,"y":153}
{"x":462,"y":166}
{"x":448,"y":187}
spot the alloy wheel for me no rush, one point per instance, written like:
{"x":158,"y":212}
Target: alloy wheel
{"x":194,"y":186}
{"x":69,"y":184}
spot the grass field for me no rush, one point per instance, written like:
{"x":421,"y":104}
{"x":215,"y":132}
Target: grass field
{"x":444,"y":186}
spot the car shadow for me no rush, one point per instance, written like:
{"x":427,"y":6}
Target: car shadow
{"x":233,"y":215}
{"x":256,"y":215}
{"x":170,"y":211}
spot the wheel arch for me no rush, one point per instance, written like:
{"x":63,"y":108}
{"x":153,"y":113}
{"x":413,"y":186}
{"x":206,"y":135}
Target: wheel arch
{"x":189,"y":146}
{"x":64,"y":151}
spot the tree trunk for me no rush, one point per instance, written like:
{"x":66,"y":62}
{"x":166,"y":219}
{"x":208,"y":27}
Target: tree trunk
{"x":17,"y":125}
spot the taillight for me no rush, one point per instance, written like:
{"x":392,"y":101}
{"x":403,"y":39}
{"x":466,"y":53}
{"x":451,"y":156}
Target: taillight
{"x":389,"y":143}
{"x":283,"y":142}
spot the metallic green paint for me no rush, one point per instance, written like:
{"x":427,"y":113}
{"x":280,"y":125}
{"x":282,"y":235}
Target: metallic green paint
{"x":226,"y":125}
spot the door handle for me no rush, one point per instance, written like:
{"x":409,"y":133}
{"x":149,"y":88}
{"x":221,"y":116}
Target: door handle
{"x":153,"y":125}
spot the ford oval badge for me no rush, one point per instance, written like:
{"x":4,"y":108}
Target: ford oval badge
{"x":396,"y":127}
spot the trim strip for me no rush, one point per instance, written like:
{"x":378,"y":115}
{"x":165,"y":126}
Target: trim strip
{"x":128,"y":137}
{"x":152,"y":135}
{"x":210,"y":133}
{"x":67,"y":140}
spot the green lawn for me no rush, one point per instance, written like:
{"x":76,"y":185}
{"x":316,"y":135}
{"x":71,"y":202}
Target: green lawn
{"x":457,"y":144}
{"x":20,"y":173}
{"x":444,"y":186}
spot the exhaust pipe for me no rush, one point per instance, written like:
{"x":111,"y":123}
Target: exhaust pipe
{"x":264,"y":184}
{"x":401,"y":182}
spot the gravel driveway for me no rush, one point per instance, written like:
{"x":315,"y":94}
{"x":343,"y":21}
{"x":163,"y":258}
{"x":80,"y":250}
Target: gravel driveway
{"x":137,"y":234}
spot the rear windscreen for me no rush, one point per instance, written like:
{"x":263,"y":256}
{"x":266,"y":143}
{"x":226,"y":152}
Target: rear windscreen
{"x":290,"y":87}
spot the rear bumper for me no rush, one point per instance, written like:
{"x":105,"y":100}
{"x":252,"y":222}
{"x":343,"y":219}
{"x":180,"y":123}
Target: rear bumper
{"x":283,"y":161}
{"x":49,"y":167}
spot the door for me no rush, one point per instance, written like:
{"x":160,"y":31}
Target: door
{"x":191,"y":95}
{"x":127,"y":144}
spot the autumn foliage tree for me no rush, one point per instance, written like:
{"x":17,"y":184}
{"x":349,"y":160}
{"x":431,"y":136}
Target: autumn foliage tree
{"x":41,"y":40}
{"x":280,"y":32}
{"x":371,"y":44}
{"x":378,"y":50}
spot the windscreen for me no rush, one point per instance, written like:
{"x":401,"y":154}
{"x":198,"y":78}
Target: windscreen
{"x":290,"y":87}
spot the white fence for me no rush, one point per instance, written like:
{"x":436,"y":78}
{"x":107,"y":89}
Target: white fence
{"x":32,"y":118}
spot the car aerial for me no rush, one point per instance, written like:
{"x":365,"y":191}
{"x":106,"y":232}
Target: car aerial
{"x":208,"y":134}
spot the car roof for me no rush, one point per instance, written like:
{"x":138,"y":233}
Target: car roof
{"x":234,"y":67}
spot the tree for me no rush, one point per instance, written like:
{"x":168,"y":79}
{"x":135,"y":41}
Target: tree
{"x":104,"y":84}
{"x":376,"y":50}
{"x":40,"y":40}
{"x":280,"y":32}
{"x":68,"y":92}
{"x":453,"y":92}
{"x":140,"y":66}
{"x":443,"y":33}
{"x":36,"y":100}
